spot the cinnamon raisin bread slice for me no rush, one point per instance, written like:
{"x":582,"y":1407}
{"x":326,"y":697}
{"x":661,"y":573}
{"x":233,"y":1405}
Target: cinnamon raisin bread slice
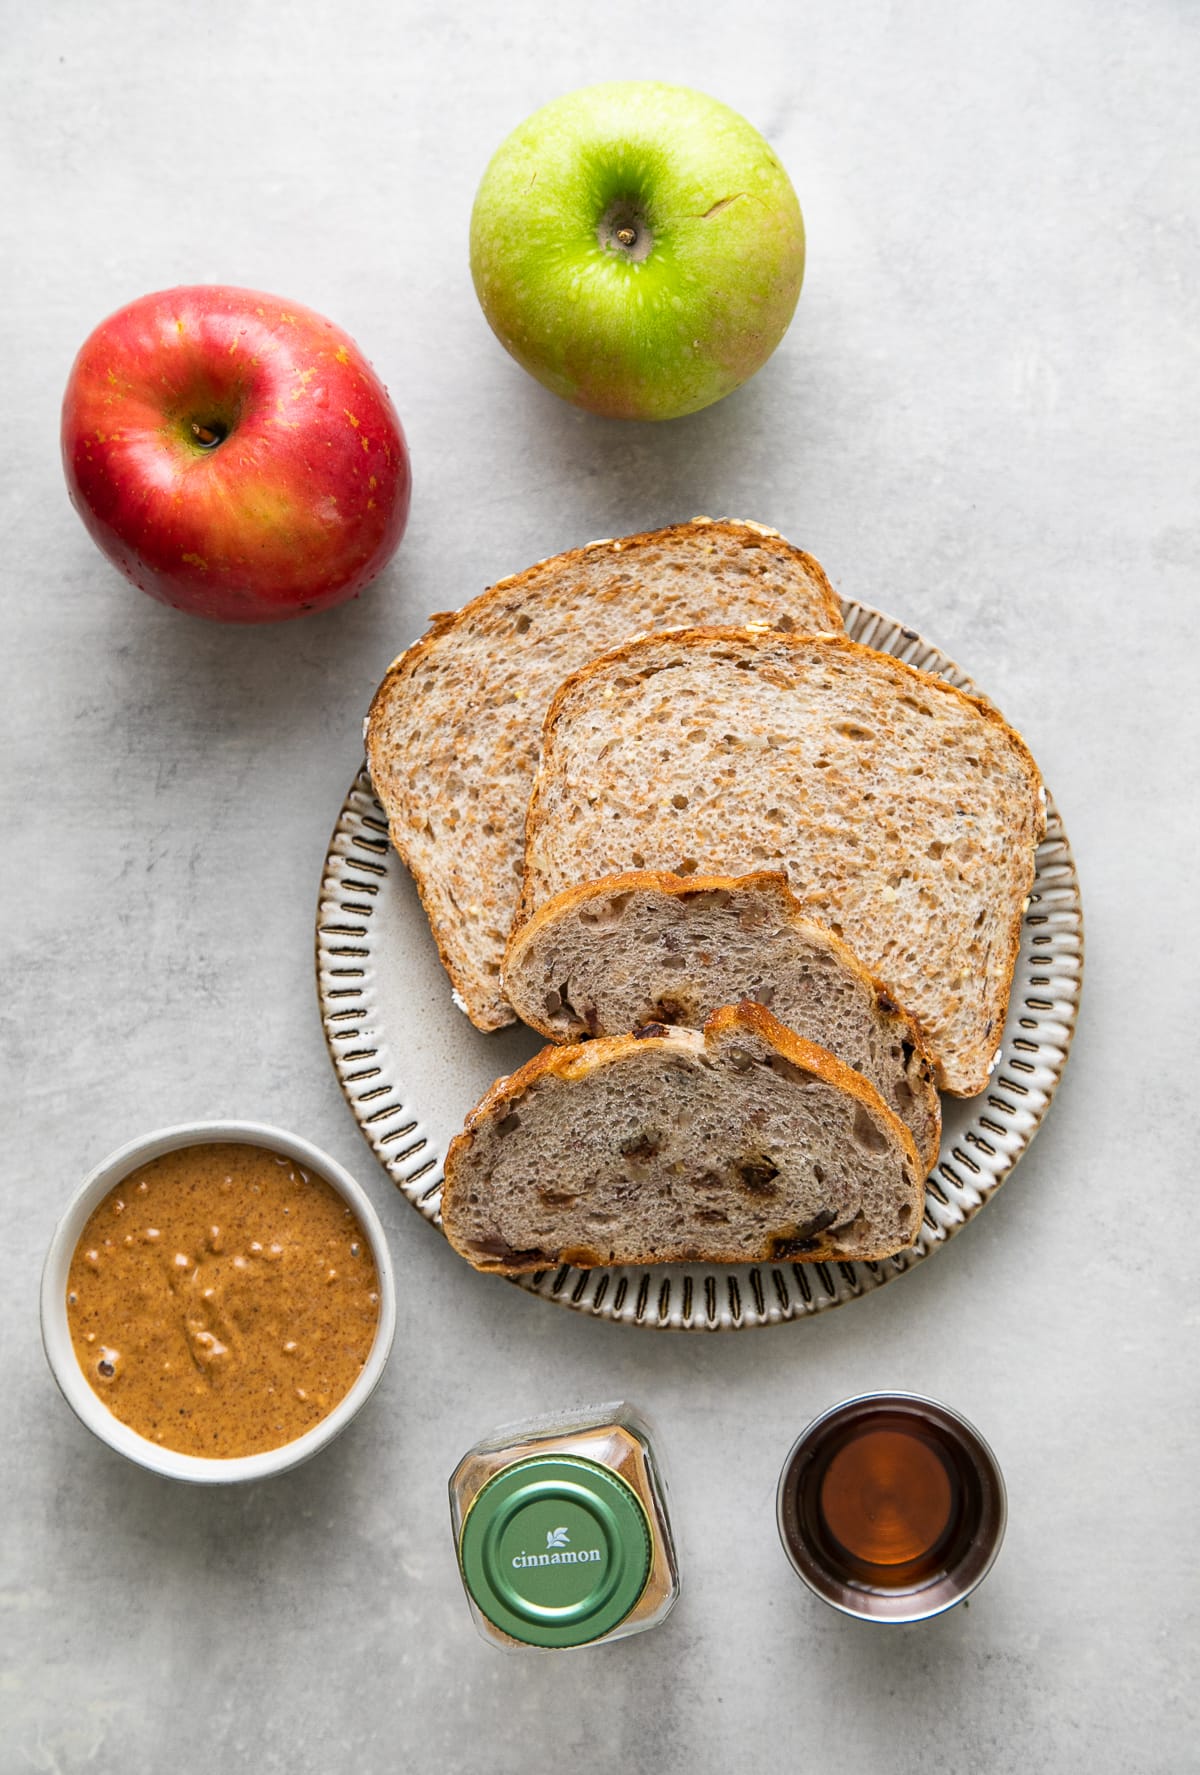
{"x":904,"y":813}
{"x":744,"y":1144}
{"x":454,"y":730}
{"x":609,"y":956}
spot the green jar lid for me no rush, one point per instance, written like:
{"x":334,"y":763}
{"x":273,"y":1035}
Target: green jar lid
{"x":556,"y":1550}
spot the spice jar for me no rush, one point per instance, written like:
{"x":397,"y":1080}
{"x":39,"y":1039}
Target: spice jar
{"x":562,"y":1531}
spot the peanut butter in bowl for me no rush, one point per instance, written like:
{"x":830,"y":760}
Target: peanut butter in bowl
{"x":221,"y":1300}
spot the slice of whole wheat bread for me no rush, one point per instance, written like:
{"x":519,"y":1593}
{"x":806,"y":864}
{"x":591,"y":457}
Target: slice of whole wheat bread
{"x":743,"y":1144}
{"x":614,"y":954}
{"x":454,"y":730}
{"x":904,"y":813}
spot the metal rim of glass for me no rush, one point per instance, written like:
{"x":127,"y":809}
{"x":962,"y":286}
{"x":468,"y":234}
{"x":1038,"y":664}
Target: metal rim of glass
{"x":945,"y":1589}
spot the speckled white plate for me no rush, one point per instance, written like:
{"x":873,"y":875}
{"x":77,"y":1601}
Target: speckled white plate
{"x":412,"y":1066}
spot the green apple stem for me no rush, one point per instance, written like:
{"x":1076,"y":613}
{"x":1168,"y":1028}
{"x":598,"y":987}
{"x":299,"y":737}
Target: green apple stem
{"x":624,"y":230}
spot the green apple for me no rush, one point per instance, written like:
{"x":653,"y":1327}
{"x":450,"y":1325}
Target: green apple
{"x":638,"y":248}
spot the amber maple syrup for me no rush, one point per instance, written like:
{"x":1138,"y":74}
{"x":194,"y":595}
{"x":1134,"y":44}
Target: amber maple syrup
{"x":889,"y":1496}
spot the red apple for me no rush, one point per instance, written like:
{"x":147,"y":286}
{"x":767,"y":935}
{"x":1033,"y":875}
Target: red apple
{"x":234,"y":454}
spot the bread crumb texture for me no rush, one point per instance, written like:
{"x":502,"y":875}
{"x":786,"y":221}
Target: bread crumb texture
{"x":741,"y":1144}
{"x":454,"y":731}
{"x":903,"y":813}
{"x":613,"y":955}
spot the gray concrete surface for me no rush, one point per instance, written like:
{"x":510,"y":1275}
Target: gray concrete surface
{"x":984,"y":418}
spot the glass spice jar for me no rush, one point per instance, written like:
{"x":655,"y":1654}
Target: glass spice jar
{"x":562,"y":1531}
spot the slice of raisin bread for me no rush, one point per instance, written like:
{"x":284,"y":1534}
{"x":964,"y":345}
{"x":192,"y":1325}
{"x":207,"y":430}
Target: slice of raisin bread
{"x":638,"y":948}
{"x":744,"y":1144}
{"x":904,"y":813}
{"x":454,"y":730}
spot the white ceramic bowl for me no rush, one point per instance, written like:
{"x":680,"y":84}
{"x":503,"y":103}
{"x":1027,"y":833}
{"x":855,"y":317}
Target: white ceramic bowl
{"x":56,"y":1335}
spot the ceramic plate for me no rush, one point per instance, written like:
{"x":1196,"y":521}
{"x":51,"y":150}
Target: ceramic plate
{"x":412,"y":1066}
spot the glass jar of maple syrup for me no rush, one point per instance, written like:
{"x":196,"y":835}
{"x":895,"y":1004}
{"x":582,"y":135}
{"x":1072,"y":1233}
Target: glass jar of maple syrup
{"x":891,"y":1507}
{"x":562,"y":1531}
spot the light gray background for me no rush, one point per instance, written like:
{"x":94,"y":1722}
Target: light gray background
{"x":983,"y":420}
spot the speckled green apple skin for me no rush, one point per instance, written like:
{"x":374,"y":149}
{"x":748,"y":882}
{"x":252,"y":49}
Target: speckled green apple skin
{"x":675,"y":330}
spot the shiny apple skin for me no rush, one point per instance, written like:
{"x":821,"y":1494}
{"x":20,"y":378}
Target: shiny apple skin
{"x":300,"y":504}
{"x":702,"y":300}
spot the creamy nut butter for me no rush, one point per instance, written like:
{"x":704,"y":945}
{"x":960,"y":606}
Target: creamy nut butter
{"x":222,"y":1299}
{"x":562,"y":1531}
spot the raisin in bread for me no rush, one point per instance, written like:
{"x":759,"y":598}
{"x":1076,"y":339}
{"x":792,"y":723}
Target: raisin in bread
{"x":454,"y":730}
{"x":608,"y":956}
{"x":904,"y":813}
{"x":741,"y":1144}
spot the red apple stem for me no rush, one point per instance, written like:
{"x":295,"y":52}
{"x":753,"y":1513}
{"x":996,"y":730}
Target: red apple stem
{"x":205,"y":434}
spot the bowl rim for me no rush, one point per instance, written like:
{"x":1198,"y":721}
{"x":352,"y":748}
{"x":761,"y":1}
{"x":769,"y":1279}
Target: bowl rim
{"x":91,"y":1410}
{"x":938,"y":1594}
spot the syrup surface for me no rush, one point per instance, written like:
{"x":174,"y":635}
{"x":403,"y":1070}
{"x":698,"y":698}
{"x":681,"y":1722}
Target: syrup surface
{"x":886,"y":1498}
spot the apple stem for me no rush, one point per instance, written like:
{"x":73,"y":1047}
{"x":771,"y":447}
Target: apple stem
{"x":206,"y":435}
{"x":624,"y":230}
